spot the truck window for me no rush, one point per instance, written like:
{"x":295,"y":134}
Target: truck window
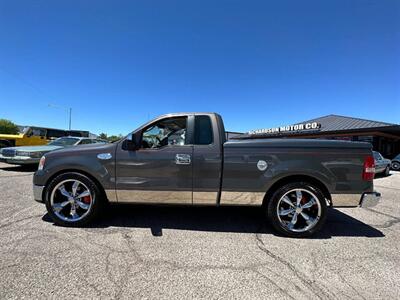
{"x":169,"y":131}
{"x":203,"y":134}
{"x":39,"y":132}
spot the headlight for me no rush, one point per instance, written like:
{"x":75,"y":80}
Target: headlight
{"x":41,"y":163}
{"x":36,"y":154}
{"x":23,"y":153}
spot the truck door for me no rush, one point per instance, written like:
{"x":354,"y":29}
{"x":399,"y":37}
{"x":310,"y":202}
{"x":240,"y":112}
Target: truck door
{"x":207,"y":159}
{"x":160,"y":170}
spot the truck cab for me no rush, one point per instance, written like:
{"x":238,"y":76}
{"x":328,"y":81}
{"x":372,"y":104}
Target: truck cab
{"x":177,"y":158}
{"x":30,"y":136}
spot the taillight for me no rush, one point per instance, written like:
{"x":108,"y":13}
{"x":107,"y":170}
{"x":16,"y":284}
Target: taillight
{"x":369,"y":168}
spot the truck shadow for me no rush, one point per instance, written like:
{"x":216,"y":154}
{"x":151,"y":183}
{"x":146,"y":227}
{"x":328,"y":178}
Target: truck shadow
{"x":381,"y":176}
{"x":17,"y":168}
{"x":220,"y":219}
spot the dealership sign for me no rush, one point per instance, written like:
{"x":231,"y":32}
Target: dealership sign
{"x":288,"y":129}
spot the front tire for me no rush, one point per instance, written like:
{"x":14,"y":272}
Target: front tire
{"x":73,"y":200}
{"x":387,"y":171}
{"x":297,"y":209}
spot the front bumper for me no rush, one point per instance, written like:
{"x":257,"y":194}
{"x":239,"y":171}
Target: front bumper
{"x":370,"y":199}
{"x":19,"y":160}
{"x":38,"y":193}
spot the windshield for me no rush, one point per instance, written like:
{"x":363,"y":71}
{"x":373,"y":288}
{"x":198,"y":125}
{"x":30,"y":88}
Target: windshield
{"x":25,"y":130}
{"x":69,"y":141}
{"x":377,"y":155}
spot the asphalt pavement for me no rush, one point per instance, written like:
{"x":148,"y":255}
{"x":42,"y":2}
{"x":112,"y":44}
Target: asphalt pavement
{"x":185,"y":253}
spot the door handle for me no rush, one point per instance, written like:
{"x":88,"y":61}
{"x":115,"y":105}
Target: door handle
{"x":183,"y":159}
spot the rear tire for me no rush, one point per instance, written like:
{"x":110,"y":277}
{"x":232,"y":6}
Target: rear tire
{"x":73,"y":200}
{"x":297,"y":209}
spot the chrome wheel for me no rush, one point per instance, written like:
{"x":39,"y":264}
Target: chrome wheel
{"x":396,"y":166}
{"x":71,"y":200}
{"x":298,"y":210}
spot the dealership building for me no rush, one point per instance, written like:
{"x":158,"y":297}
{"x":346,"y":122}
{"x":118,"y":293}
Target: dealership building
{"x":384,"y":137}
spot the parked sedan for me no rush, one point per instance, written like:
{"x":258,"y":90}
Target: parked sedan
{"x":382,"y":165}
{"x":396,"y":163}
{"x":31,"y":154}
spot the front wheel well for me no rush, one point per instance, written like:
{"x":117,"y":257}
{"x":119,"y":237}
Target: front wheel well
{"x":298,"y":178}
{"x":91,"y":177}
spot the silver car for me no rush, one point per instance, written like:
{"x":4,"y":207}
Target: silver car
{"x":396,"y":163}
{"x":25,"y":155}
{"x":382,"y":165}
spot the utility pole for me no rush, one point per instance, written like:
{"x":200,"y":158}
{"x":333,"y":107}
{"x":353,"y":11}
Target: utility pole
{"x":70,"y":116}
{"x":68,"y":110}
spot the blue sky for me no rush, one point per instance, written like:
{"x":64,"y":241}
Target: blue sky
{"x":257,"y":63}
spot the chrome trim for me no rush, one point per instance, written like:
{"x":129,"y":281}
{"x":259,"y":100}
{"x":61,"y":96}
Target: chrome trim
{"x":148,"y":196}
{"x":370,"y":199}
{"x":183,"y":159}
{"x":345,"y":200}
{"x":262,"y":165}
{"x":104,"y":156}
{"x":38,"y":193}
{"x":200,"y":198}
{"x":242,"y":198}
{"x":111,"y":196}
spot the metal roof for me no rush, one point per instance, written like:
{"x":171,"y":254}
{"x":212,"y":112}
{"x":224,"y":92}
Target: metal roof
{"x":337,"y":123}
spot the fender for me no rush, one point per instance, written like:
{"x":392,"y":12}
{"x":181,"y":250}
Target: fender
{"x":102,"y":169}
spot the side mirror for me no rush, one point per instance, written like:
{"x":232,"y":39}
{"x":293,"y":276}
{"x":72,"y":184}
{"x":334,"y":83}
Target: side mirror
{"x":132,"y":142}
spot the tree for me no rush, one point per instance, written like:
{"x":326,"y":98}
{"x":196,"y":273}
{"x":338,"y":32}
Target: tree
{"x":114,"y":138}
{"x":110,"y":138}
{"x":103,"y":136}
{"x":8,"y":127}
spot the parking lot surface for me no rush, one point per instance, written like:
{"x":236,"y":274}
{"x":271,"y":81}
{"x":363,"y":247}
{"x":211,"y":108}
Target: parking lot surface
{"x":184,"y":252}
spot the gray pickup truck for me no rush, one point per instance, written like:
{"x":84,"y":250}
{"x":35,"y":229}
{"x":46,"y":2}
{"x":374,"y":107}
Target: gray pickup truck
{"x":184,"y":158}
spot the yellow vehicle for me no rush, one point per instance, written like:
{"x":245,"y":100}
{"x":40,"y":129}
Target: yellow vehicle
{"x":35,"y":136}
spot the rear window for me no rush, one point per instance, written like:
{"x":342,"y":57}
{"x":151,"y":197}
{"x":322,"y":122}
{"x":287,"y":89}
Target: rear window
{"x":203,"y":134}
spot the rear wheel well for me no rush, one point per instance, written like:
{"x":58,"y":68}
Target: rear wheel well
{"x":297,"y":178}
{"x":80,"y":172}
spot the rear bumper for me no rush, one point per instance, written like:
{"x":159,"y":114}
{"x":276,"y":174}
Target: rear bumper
{"x":353,"y":200}
{"x":370,"y":199}
{"x":38,"y":193}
